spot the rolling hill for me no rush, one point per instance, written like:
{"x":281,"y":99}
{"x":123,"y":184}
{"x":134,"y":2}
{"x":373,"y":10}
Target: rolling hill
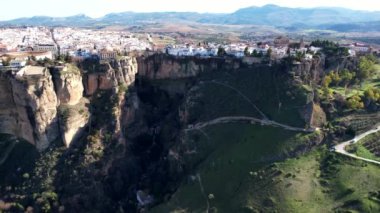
{"x":271,"y":15}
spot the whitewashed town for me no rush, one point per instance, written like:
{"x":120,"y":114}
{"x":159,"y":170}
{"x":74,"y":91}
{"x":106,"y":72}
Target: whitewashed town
{"x":17,"y":45}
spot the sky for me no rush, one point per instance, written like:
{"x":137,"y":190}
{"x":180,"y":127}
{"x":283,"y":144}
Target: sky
{"x":96,"y":8}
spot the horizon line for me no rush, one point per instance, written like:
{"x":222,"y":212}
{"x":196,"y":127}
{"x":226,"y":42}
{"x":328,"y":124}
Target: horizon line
{"x":171,"y":11}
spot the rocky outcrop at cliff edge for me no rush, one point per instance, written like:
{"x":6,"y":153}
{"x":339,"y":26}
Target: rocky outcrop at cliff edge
{"x":111,"y":74}
{"x":68,"y":84}
{"x":40,"y":106}
{"x":28,"y":106}
{"x":310,"y":70}
{"x":162,"y":66}
{"x":314,"y":115}
{"x":73,"y":120}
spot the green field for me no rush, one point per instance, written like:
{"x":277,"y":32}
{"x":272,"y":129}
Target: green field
{"x":227,"y":94}
{"x":314,"y":182}
{"x":373,"y":82}
{"x":233,"y":153}
{"x":240,"y":167}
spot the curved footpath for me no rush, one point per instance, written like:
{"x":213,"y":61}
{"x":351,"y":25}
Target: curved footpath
{"x":232,"y":119}
{"x":340,"y":148}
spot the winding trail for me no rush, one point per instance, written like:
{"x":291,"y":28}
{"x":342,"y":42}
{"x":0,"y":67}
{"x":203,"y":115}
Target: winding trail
{"x":203,"y":192}
{"x":242,"y":95}
{"x":235,"y":119}
{"x":340,"y":148}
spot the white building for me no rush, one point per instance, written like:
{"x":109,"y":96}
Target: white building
{"x":107,"y":55}
{"x":46,"y":47}
{"x":308,"y":56}
{"x":314,"y":50}
{"x":361,"y":48}
{"x":279,"y":52}
{"x":17,"y":63}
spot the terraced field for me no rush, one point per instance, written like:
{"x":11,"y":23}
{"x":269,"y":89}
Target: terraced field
{"x":368,"y":147}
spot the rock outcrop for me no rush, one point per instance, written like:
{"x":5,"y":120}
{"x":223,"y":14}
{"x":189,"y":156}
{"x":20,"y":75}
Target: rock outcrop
{"x":112,"y":74}
{"x":310,"y":70}
{"x":68,"y":84}
{"x":314,"y":115}
{"x":29,"y":108}
{"x":161,"y":66}
{"x":73,"y":121}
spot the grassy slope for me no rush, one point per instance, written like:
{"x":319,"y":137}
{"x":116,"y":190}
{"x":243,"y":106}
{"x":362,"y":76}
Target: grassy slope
{"x":267,"y":89}
{"x":359,"y":89}
{"x":323,"y":182}
{"x":238,"y":149}
{"x":315,"y":182}
{"x":239,"y":175}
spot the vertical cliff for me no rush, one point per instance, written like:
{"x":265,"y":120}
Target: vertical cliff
{"x":68,"y":84}
{"x":111,"y":74}
{"x":73,"y":109}
{"x":30,"y":111}
{"x":161,"y":66}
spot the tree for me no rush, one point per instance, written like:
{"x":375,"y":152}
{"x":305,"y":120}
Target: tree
{"x":335,"y":77}
{"x":372,"y":94}
{"x":298,"y":56}
{"x":326,"y":92}
{"x":365,"y":70}
{"x":221,"y":52}
{"x":254,"y":53}
{"x":326,"y":81}
{"x":246,"y":52}
{"x":269,"y":52}
{"x":68,"y":58}
{"x":372,"y":58}
{"x":346,"y":77}
{"x":355,"y":102}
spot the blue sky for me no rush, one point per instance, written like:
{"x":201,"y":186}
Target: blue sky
{"x":97,"y":8}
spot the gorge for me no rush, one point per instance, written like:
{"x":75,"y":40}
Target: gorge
{"x":123,"y":122}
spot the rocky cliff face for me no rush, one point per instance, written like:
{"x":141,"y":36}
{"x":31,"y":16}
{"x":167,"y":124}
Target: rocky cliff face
{"x":68,"y":84}
{"x":161,"y":66}
{"x":112,"y":74}
{"x":30,"y":109}
{"x":310,"y":70}
{"x":314,"y":115}
{"x":73,"y":120}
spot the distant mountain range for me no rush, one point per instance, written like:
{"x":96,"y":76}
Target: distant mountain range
{"x":323,"y":18}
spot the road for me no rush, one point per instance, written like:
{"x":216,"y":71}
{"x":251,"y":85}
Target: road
{"x":234,"y":119}
{"x":340,"y":148}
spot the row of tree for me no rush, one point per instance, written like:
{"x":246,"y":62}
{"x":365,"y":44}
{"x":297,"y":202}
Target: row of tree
{"x":330,"y":48}
{"x":365,"y":70}
{"x":345,"y":78}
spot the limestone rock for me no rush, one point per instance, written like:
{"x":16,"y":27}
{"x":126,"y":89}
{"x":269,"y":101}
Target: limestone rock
{"x":30,"y":109}
{"x":73,"y":120}
{"x":69,"y":85}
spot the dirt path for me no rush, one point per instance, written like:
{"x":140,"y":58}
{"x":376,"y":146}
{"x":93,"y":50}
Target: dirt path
{"x":236,"y":119}
{"x":203,"y":192}
{"x":341,"y":148}
{"x":243,"y":96}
